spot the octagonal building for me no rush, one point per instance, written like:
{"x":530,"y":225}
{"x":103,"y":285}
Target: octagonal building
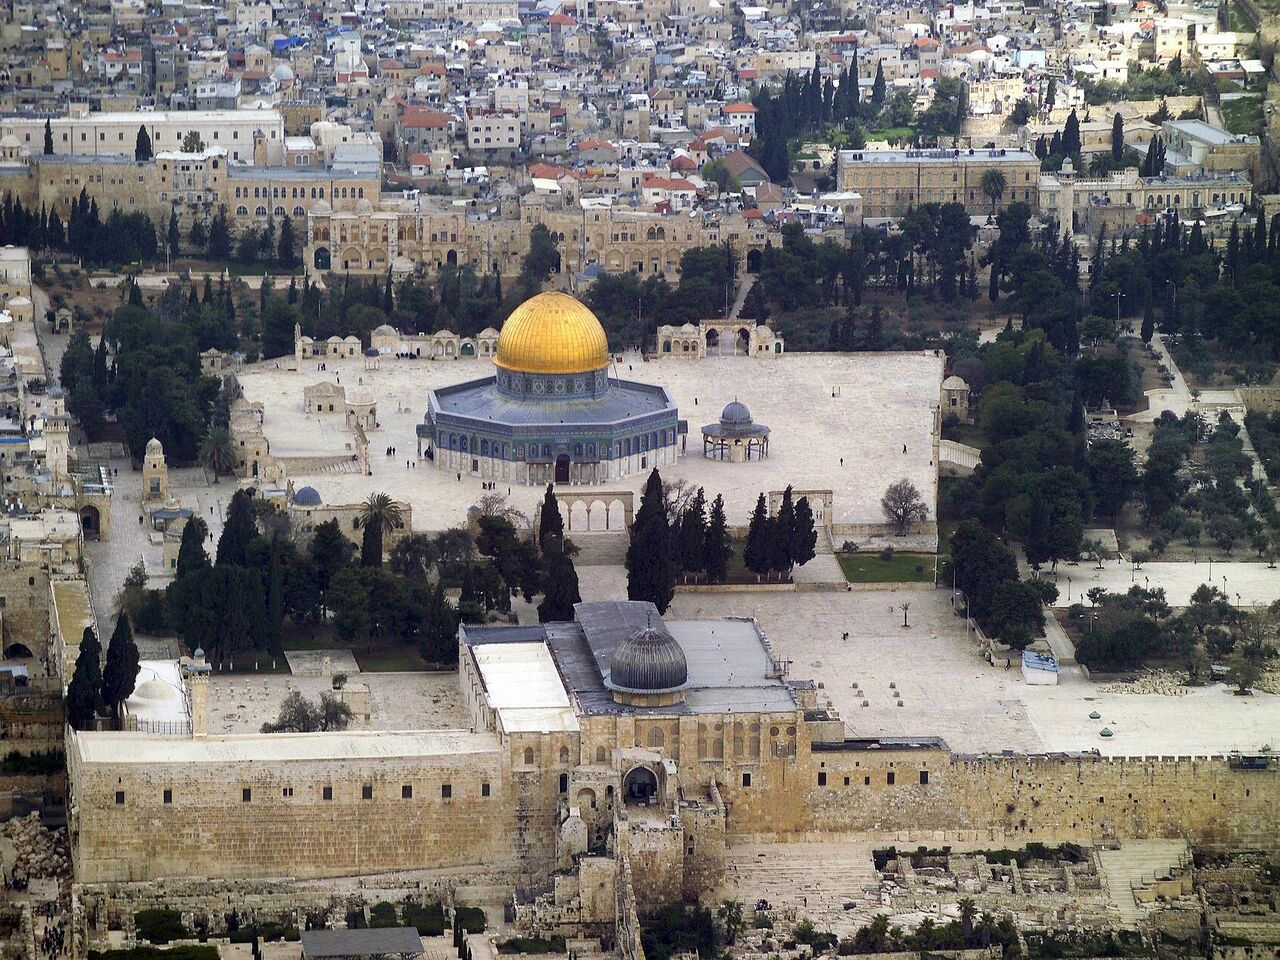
{"x":551,"y":412}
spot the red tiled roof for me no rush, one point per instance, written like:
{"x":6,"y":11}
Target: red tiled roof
{"x":560,"y":20}
{"x":419,"y":119}
{"x":739,"y":108}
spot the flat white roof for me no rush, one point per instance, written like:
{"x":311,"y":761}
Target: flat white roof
{"x":137,"y":748}
{"x":524,"y":687}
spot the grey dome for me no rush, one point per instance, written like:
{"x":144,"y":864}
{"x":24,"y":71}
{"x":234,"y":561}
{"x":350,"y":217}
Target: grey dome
{"x":735,"y":414}
{"x":648,"y":661}
{"x":307,"y":497}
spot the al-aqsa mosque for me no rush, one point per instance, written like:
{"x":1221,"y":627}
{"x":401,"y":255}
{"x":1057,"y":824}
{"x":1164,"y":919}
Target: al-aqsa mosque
{"x":551,"y":412}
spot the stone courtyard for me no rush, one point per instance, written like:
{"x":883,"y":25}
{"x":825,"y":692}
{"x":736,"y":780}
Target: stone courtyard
{"x":947,"y":690}
{"x":873,"y":410}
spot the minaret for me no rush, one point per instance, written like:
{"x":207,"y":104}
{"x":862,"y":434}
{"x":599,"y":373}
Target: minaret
{"x":155,"y":473}
{"x":57,"y":436}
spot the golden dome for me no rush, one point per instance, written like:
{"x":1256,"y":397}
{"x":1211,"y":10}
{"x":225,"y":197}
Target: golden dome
{"x":552,"y":333}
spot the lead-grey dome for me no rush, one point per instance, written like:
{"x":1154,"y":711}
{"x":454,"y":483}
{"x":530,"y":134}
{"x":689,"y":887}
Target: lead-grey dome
{"x":648,"y":661}
{"x":307,"y":497}
{"x":735,"y":414}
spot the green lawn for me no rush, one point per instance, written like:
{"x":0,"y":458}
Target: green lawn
{"x":902,"y":568}
{"x":1243,"y":115}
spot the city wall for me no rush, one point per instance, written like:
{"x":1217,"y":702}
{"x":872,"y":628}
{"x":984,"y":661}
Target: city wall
{"x":1013,"y":800}
{"x":305,"y":818}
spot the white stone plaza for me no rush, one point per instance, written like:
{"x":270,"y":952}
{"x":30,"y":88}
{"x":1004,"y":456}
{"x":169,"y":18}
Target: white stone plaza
{"x":852,"y":424}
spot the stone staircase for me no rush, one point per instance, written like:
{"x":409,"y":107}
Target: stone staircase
{"x":600,"y":549}
{"x":820,"y":879}
{"x":1132,"y":875}
{"x":318,"y":466}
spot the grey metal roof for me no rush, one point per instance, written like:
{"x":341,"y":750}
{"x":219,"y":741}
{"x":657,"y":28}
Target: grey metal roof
{"x":361,"y":943}
{"x":480,"y":400}
{"x":730,"y":666}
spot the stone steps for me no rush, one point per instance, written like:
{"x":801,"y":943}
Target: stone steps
{"x":820,"y":879}
{"x":1135,"y":864}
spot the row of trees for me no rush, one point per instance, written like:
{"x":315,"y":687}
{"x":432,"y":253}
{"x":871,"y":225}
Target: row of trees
{"x":94,"y":690}
{"x":779,"y":543}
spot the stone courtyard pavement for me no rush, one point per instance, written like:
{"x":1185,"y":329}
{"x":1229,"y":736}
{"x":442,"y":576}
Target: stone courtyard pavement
{"x":947,"y":690}
{"x":864,"y":408}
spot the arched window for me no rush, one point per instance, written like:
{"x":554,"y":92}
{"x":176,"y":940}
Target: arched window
{"x":599,"y":754}
{"x":528,"y":756}
{"x":242,"y":211}
{"x":564,"y":754}
{"x":261,"y":211}
{"x":299,"y":212}
{"x":360,"y":193}
{"x":279,"y":211}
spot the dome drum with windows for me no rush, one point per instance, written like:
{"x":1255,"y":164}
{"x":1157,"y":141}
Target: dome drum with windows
{"x":551,"y":412}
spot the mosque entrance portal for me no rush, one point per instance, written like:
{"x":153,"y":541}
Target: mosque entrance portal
{"x":640,"y":785}
{"x":562,"y":468}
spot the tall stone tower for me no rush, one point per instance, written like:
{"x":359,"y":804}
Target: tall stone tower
{"x":57,"y":436}
{"x":199,"y":686}
{"x":155,"y":473}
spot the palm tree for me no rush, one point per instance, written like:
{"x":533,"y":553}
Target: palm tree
{"x":731,"y":913}
{"x":217,"y":452}
{"x":1098,"y":166}
{"x":967,"y":912}
{"x":376,"y":514}
{"x":994,"y":185}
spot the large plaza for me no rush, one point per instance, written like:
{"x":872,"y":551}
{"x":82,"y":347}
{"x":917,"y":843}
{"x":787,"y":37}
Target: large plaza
{"x":851,"y":424}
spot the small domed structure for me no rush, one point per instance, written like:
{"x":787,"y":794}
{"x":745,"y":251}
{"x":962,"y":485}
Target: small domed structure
{"x":736,"y":438}
{"x":155,"y":448}
{"x":307,"y":497}
{"x":648,"y":669}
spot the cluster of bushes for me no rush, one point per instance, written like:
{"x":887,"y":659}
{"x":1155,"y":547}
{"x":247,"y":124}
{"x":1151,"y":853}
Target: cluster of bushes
{"x":41,"y":764}
{"x":190,"y":952}
{"x":160,"y":926}
{"x":533,"y":945}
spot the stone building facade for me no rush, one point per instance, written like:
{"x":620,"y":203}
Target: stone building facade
{"x":562,"y":752}
{"x":891,"y":182}
{"x":432,"y":234}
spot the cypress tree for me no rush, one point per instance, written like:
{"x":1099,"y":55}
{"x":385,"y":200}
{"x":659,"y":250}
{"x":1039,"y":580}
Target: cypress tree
{"x":174,"y":235}
{"x":121,"y":673}
{"x":240,"y":528}
{"x":371,"y":543}
{"x":1117,"y":137}
{"x":84,"y":693}
{"x":275,"y":600}
{"x":1071,"y":135}
{"x":48,"y":138}
{"x":550,"y":523}
{"x":756,"y":553}
{"x":804,"y":538}
{"x":192,"y":555}
{"x":784,"y":523}
{"x":142,"y":145}
{"x":1148,"y":314}
{"x":561,"y":590}
{"x":717,"y":546}
{"x":693,"y":534}
{"x":651,"y":566}
{"x":877,"y":87}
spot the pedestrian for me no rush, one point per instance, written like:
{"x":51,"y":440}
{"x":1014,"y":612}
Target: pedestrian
{"x":842,"y":461}
{"x":904,"y":448}
{"x":459,"y":477}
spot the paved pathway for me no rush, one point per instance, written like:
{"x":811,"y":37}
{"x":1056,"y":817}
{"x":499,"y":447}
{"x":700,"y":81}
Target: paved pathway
{"x":748,"y":282}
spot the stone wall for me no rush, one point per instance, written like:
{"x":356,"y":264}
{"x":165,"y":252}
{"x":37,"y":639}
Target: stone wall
{"x":1052,"y":798}
{"x":123,"y":829}
{"x":24,"y":588}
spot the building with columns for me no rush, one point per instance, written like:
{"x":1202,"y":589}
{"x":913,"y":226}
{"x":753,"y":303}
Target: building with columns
{"x":551,"y":412}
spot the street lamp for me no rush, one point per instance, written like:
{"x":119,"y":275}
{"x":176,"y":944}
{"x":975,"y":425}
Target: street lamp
{"x":1068,"y":588}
